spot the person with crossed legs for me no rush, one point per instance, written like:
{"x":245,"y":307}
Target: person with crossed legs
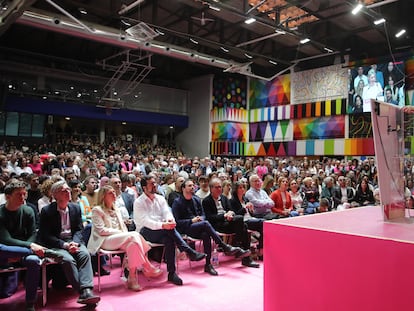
{"x":156,"y":223}
{"x":190,"y":217}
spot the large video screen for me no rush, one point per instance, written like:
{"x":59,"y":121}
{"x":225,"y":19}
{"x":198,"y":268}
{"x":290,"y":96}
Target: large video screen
{"x":384,"y":82}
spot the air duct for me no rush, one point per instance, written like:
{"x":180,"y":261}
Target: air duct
{"x":61,"y":24}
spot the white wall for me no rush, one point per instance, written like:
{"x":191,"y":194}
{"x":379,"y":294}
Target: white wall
{"x":194,"y":141}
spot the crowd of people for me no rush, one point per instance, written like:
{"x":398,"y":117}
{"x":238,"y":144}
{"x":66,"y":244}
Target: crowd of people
{"x":70,"y":205}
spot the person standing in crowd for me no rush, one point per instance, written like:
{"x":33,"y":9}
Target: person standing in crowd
{"x":156,"y":223}
{"x":61,"y":230}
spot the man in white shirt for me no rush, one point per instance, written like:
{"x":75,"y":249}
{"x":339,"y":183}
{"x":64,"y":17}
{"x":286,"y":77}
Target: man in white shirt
{"x":156,"y":223}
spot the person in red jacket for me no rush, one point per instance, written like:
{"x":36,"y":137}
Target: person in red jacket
{"x":283,"y":202}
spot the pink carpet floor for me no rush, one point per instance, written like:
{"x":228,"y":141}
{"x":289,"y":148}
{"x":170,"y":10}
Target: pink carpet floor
{"x":236,"y":288}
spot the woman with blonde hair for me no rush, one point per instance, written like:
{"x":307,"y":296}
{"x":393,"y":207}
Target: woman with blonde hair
{"x":227,"y":184}
{"x":268,"y":183}
{"x":109,"y":232}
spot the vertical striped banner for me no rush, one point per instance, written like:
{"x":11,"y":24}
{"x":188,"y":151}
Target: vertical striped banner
{"x":318,"y":109}
{"x":329,"y":147}
{"x":328,"y":107}
{"x":310,"y":147}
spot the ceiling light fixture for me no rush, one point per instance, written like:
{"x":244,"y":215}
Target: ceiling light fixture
{"x":400,"y":33}
{"x":194,"y":41}
{"x":379,"y":21}
{"x":272,"y":62}
{"x":126,"y":23}
{"x":357,"y":8}
{"x":303,"y":41}
{"x":328,"y":50}
{"x":224,"y":49}
{"x":159,"y":32}
{"x":83,"y":11}
{"x":250,"y":20}
{"x":281,"y":32}
{"x":248,"y":55}
{"x":214,"y":8}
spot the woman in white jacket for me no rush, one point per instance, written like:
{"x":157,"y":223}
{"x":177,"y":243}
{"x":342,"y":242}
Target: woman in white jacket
{"x":110,"y":233}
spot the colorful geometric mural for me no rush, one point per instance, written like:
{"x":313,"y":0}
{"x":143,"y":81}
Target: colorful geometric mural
{"x":270,"y":131}
{"x":229,"y":92}
{"x":269,"y":94}
{"x":329,"y":147}
{"x":360,"y":125}
{"x":333,"y":107}
{"x":228,"y":114}
{"x":230,"y":131}
{"x":319,"y":128}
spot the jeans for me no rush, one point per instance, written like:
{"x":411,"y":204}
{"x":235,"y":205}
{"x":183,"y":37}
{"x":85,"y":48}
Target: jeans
{"x":77,"y":268}
{"x":29,"y":260}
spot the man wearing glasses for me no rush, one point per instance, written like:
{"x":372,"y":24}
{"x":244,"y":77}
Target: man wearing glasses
{"x":190,"y":217}
{"x":156,"y":223}
{"x":261,"y":201}
{"x":61,"y":230}
{"x":223,"y":219}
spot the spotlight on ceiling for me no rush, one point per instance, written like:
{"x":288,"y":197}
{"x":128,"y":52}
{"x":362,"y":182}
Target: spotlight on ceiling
{"x":250,"y":20}
{"x":224,"y":49}
{"x":303,"y":41}
{"x":379,"y":21}
{"x":328,"y":50}
{"x":272,"y":62}
{"x":358,"y":8}
{"x":400,"y":33}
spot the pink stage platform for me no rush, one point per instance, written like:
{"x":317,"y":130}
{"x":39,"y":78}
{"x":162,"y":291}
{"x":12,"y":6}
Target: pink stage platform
{"x":350,"y":260}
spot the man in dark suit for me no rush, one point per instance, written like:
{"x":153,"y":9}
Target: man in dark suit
{"x":61,"y":229}
{"x":125,"y":202}
{"x":218,"y":212}
{"x":190,"y":218}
